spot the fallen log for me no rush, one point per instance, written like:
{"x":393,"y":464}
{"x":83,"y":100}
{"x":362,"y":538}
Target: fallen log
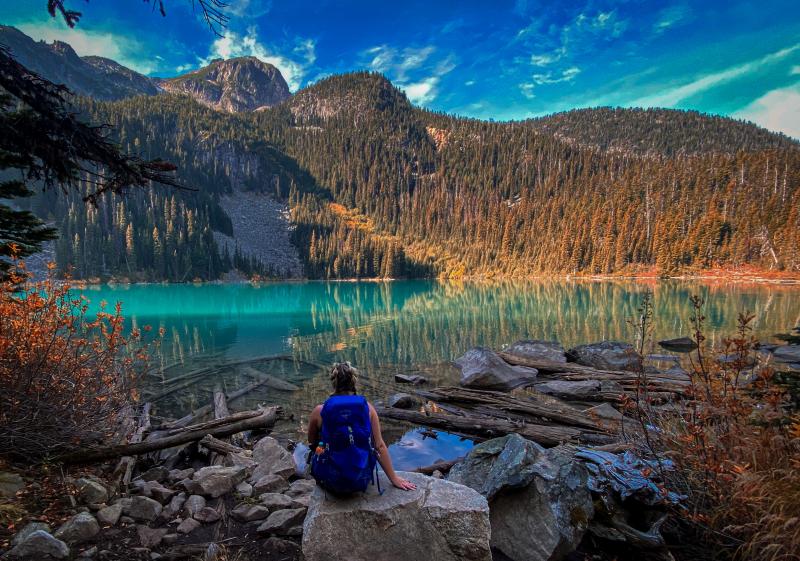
{"x":219,"y":446}
{"x":532,"y":404}
{"x":269,"y":380}
{"x":127,"y":463}
{"x":233,"y":424}
{"x":575,"y":370}
{"x":443,"y":466}
{"x":487,"y":427}
{"x":220,"y":412}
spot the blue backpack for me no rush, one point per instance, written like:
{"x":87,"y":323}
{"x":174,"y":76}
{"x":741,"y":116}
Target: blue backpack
{"x":345,"y":459}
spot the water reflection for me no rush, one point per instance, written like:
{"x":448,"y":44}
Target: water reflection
{"x":385,"y":327}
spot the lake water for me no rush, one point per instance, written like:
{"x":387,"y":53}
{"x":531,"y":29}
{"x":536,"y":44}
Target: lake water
{"x":298,"y":329}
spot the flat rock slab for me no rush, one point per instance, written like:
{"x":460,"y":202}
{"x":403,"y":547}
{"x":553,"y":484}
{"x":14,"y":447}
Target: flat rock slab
{"x":483,"y":369}
{"x":607,"y":355}
{"x":439,"y":520}
{"x":679,"y":345}
{"x":787,"y":353}
{"x":537,"y":349}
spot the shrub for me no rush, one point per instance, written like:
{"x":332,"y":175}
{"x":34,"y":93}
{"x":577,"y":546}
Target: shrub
{"x":735,"y":441}
{"x":65,"y":377}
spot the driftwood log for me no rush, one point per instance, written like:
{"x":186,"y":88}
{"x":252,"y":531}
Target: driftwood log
{"x":238,"y":422}
{"x":127,"y":463}
{"x":483,"y":427}
{"x":220,"y":446}
{"x":536,"y":407}
{"x":443,"y":466}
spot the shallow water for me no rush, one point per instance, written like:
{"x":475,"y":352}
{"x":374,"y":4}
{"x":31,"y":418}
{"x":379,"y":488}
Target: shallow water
{"x":401,"y":326}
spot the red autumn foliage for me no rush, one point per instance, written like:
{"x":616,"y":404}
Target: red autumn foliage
{"x":65,"y":376}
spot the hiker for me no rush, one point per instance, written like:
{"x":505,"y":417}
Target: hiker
{"x":344,"y":435}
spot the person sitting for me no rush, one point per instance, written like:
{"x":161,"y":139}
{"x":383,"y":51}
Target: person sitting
{"x":344,"y":435}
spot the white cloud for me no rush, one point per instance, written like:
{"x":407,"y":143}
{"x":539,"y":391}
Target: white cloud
{"x":398,"y":63}
{"x":124,"y":50}
{"x":544,"y":60}
{"x":670,"y":17}
{"x":469,"y":83}
{"x":777,"y":110}
{"x":673,"y":96}
{"x":527,"y":90}
{"x":422,"y":92}
{"x":233,"y":45}
{"x":567,"y":75}
{"x":248,"y":8}
{"x":795,"y":70}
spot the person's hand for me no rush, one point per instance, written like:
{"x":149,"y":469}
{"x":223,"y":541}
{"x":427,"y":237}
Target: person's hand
{"x":403,"y":484}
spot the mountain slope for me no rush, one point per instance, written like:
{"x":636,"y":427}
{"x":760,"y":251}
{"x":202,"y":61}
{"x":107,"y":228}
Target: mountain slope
{"x":96,"y":77}
{"x":234,"y":85}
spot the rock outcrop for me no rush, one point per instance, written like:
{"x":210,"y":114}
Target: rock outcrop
{"x":481,"y":368}
{"x":439,"y":520}
{"x":40,"y":545}
{"x":607,"y":355}
{"x":540,"y":505}
{"x":234,"y":85}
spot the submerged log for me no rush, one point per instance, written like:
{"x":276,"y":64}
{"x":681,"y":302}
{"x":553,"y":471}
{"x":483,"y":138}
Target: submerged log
{"x":269,"y":380}
{"x":238,"y":422}
{"x":487,"y":427}
{"x":443,"y":466}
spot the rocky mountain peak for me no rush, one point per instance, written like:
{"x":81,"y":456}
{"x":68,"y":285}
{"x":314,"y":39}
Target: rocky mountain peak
{"x":233,"y":85}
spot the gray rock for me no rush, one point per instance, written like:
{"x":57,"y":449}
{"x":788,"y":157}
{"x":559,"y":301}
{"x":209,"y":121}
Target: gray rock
{"x":607,"y":355}
{"x":40,"y":545}
{"x":586,"y":390}
{"x":537,"y":349}
{"x":177,"y":475}
{"x":110,"y":514}
{"x":141,"y":508}
{"x":193,"y":505}
{"x":175,"y":506}
{"x":158,"y":473}
{"x":787,"y":353}
{"x":270,"y":484}
{"x":439,"y":520}
{"x":679,"y":345}
{"x":91,"y":491}
{"x":481,"y":368}
{"x":88,"y":553}
{"x":188,"y":526}
{"x":150,"y":537}
{"x":27,"y":530}
{"x":272,"y":459}
{"x":286,"y":548}
{"x":215,"y":481}
{"x":244,"y":489}
{"x":276,"y":501}
{"x":247,"y":512}
{"x":540,"y":505}
{"x":403,"y":401}
{"x":281,"y":521}
{"x":10,"y":484}
{"x":162,"y":494}
{"x":169,"y":539}
{"x":78,"y":529}
{"x":301,"y":487}
{"x":415,"y":379}
{"x":207,"y":514}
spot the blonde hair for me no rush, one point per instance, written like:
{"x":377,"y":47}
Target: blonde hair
{"x":343,"y":377}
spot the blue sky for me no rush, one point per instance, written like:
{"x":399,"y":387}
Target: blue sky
{"x":486,"y":59}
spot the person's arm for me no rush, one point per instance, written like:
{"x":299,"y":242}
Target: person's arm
{"x":383,"y":453}
{"x":314,"y":426}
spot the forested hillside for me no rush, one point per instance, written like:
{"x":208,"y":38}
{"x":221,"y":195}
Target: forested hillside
{"x":379,"y":188}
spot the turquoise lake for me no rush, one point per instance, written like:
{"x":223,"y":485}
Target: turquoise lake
{"x":298,"y":329}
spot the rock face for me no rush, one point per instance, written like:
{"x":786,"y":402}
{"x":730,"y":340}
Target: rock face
{"x":538,"y":350}
{"x":40,"y":545}
{"x":439,"y":520}
{"x":481,"y":368}
{"x":540,"y":505}
{"x":607,"y":355}
{"x":234,"y":85}
{"x":93,"y":76}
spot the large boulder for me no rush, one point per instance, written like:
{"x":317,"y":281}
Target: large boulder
{"x":439,"y":520}
{"x":272,"y":459}
{"x":536,"y":349}
{"x":482,"y":369}
{"x":607,"y":355}
{"x":679,"y":345}
{"x":215,"y":481}
{"x":40,"y":545}
{"x":540,"y":505}
{"x":91,"y":491}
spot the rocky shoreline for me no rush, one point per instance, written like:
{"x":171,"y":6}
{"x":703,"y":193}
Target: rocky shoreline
{"x":550,"y":476}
